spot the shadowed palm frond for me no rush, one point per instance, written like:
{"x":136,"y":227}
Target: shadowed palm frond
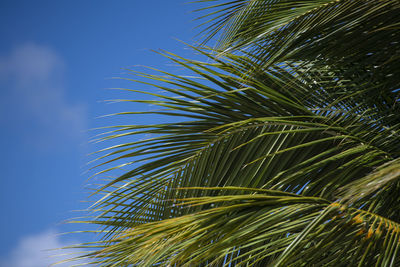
{"x":286,"y":30}
{"x":357,"y":39}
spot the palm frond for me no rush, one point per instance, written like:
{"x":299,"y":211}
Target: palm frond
{"x":268,"y":130}
{"x":280,"y":149}
{"x":380,"y":179}
{"x":263,"y":228}
{"x":303,"y":29}
{"x":358,"y":40}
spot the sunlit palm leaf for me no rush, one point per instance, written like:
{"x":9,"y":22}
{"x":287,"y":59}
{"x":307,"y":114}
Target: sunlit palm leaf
{"x":276,"y":144}
{"x":263,"y":227}
{"x":263,"y":146}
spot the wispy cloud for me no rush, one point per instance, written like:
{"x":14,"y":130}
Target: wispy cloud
{"x":34,"y":105}
{"x":29,"y":63}
{"x":38,"y":251}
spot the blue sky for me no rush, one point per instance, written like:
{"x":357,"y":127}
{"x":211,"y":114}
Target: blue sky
{"x":56,"y":59}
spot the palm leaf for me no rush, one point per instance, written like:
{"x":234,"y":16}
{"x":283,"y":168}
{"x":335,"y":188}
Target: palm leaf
{"x":261,"y":227}
{"x":272,"y":140}
{"x":280,"y":149}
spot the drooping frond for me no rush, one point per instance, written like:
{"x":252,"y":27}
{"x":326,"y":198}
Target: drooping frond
{"x":257,"y":227}
{"x":268,"y":130}
{"x":283,"y":148}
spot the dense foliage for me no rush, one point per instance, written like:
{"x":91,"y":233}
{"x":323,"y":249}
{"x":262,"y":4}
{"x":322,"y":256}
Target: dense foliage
{"x":286,"y":151}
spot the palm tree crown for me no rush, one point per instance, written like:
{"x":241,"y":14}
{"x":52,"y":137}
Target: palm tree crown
{"x":286,"y":148}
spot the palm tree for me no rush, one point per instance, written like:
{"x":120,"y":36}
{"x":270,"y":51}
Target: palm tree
{"x":282,"y":147}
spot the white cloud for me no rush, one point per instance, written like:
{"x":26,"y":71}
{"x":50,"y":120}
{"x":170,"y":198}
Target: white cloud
{"x":34,"y":97}
{"x":38,"y":251}
{"x":30,"y":62}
